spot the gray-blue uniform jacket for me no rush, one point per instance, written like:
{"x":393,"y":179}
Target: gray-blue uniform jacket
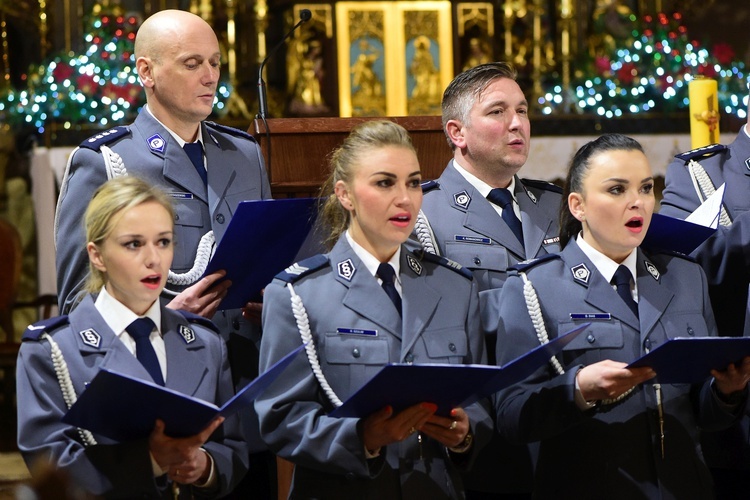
{"x":469,"y":231}
{"x":440,"y":325}
{"x":613,"y":450}
{"x":235,"y":174}
{"x":725,"y":257}
{"x":196,"y":366}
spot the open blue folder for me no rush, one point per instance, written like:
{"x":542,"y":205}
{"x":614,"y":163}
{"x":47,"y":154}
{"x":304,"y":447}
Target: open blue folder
{"x":124,"y":408}
{"x":672,"y":234}
{"x":687,"y":360}
{"x":448,"y":386}
{"x":262,"y":240}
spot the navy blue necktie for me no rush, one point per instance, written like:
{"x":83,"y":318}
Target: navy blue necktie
{"x":503,"y":199}
{"x":621,"y":279}
{"x":387,"y":275}
{"x":194,"y":151}
{"x":140,"y":330}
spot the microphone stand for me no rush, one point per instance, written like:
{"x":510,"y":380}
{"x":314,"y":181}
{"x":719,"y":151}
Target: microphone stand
{"x":304,"y":16}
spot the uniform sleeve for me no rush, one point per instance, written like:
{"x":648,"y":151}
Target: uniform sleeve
{"x":292,"y":411}
{"x":543,"y":405}
{"x":679,"y":198}
{"x":482,"y":425}
{"x":102,"y":468}
{"x":226,"y":445}
{"x":85,"y":174}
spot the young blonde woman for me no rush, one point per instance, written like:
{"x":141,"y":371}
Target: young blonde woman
{"x":130,"y":233}
{"x":357,"y":316}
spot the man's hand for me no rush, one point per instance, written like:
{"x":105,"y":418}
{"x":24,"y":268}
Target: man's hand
{"x":204,"y":296}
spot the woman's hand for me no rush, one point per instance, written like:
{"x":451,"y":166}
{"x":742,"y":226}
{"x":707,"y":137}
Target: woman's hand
{"x":609,"y":379}
{"x":203,"y":297}
{"x":182,"y":458}
{"x":734,"y":378}
{"x":452,"y":431}
{"x":383,"y":427}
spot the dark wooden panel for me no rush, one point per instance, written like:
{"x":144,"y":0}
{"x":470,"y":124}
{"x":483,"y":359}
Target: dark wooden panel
{"x":300,"y":148}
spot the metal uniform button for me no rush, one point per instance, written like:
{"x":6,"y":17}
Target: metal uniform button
{"x":591,"y":339}
{"x":409,"y":358}
{"x":647,"y":344}
{"x":452,"y":347}
{"x":690,"y":330}
{"x":355,"y":352}
{"x":176,"y":217}
{"x":220,"y":218}
{"x":477,"y":261}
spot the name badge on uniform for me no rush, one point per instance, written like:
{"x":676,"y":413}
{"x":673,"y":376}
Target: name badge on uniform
{"x":181,"y":196}
{"x":549,"y":241}
{"x":591,"y":316}
{"x":356,"y":331}
{"x":472,"y":239}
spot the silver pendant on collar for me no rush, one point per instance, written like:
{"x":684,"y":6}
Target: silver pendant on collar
{"x":187,"y":334}
{"x":581,"y":273}
{"x":346,"y":269}
{"x":652,"y":270}
{"x":91,"y":337}
{"x":414,"y":264}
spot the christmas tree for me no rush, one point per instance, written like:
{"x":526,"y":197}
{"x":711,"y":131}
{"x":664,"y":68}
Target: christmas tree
{"x":98,"y":88}
{"x":647,"y":70}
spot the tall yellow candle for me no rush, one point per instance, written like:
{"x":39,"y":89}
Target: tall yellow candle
{"x":704,"y":112}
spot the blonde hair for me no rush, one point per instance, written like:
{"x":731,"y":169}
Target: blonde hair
{"x":363,"y":138}
{"x":106,"y":207}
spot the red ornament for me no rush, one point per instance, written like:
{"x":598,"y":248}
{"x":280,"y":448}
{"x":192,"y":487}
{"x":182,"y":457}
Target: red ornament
{"x":627,"y":73}
{"x":105,"y":20}
{"x":62,"y":71}
{"x":118,"y":33}
{"x":724,"y":53}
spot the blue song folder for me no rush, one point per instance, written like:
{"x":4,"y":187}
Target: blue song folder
{"x":124,"y":408}
{"x":672,"y":234}
{"x":262,"y":240}
{"x":687,"y":360}
{"x":448,"y":386}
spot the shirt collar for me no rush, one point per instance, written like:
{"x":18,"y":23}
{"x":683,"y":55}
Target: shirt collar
{"x":369,"y":260}
{"x":604,"y":264}
{"x":481,"y":186}
{"x":176,"y":137}
{"x":118,"y":316}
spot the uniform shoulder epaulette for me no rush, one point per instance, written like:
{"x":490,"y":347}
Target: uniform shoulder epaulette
{"x":428,"y":186}
{"x":525,"y":265}
{"x":547,"y":186}
{"x":229,"y":130}
{"x":445,"y":262}
{"x":97,"y":141}
{"x":702,"y":152}
{"x":200,"y":320}
{"x":302,"y":268}
{"x":656,"y":252}
{"x":35,"y":331}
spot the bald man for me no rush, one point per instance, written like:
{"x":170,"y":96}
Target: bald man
{"x":177,"y":60}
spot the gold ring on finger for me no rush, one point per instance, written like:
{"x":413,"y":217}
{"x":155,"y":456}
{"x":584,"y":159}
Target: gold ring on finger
{"x":453,"y":425}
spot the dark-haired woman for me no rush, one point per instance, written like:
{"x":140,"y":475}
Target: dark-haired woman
{"x":606,"y":431}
